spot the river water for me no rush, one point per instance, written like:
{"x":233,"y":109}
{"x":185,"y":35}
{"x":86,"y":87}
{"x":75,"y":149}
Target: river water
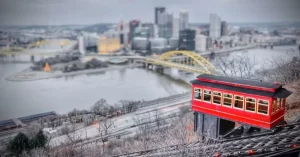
{"x":81,"y":92}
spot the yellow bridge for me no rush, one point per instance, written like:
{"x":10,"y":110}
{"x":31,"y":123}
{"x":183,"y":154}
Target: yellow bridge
{"x":184,"y":60}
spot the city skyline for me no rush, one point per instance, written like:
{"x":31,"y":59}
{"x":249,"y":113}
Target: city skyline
{"x":67,"y":12}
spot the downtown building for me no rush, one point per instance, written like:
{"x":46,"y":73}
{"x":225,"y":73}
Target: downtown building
{"x":200,"y":43}
{"x":214,"y":26}
{"x":150,"y":27}
{"x":183,"y":20}
{"x":88,"y":42}
{"x":133,"y":24}
{"x":187,"y":39}
{"x":176,"y":28}
{"x":157,"y":11}
{"x":224,"y":28}
{"x":165,"y":25}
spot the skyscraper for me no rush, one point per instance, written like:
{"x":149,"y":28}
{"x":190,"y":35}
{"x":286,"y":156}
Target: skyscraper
{"x":224,"y":28}
{"x":183,"y":20}
{"x":214,"y":26}
{"x":187,"y":39}
{"x":165,"y":25}
{"x":133,"y":24}
{"x":157,"y":11}
{"x":151,"y":28}
{"x":200,"y":43}
{"x":176,"y":26}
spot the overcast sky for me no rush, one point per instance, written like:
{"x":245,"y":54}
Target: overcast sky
{"x":58,"y":12}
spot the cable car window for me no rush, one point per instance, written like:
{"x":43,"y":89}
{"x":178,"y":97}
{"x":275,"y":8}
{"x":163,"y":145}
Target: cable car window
{"x":197,"y":94}
{"x":250,"y":104}
{"x":263,"y":107}
{"x":282,"y":103}
{"x":227,"y":100}
{"x":274,"y":106}
{"x":207,"y":95}
{"x":217,"y":98}
{"x":238,"y":102}
{"x":278,"y":104}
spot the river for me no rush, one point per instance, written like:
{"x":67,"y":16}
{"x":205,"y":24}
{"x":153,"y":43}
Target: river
{"x":81,"y":92}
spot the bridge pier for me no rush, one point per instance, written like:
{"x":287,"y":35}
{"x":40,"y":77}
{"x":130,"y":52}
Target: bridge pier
{"x":145,"y":65}
{"x":159,"y":69}
{"x":150,"y":66}
{"x":32,"y":58}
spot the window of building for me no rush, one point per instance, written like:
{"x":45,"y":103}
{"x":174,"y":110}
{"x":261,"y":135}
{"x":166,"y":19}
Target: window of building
{"x":227,"y":100}
{"x":207,"y":95}
{"x":238,"y":102}
{"x":250,"y":104}
{"x":217,"y":98}
{"x":263,"y":106}
{"x":274,"y":106}
{"x":278,"y":104}
{"x":197,"y":94}
{"x":282,"y":103}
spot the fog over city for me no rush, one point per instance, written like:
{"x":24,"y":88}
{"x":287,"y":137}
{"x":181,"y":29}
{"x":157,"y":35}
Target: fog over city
{"x":61,"y":12}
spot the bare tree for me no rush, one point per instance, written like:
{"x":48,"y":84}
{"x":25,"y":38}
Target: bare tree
{"x":243,"y":67}
{"x":100,"y":107}
{"x":33,"y":128}
{"x":157,"y":118}
{"x":142,"y":121}
{"x":40,"y":152}
{"x":69,"y":131}
{"x":183,"y":133}
{"x":104,"y":126}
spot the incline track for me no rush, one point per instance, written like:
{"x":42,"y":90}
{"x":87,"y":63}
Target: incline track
{"x":281,"y":140}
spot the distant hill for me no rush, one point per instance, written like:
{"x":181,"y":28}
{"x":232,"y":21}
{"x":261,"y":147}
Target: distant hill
{"x":99,"y":28}
{"x":42,"y":26}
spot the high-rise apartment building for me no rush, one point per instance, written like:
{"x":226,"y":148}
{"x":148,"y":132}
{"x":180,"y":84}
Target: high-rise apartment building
{"x":214,"y":26}
{"x":183,"y":20}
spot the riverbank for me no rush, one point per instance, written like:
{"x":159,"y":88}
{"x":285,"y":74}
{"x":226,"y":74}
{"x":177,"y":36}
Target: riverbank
{"x":27,"y":75}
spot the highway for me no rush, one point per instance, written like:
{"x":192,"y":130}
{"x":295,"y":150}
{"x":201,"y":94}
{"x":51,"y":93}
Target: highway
{"x":124,"y":123}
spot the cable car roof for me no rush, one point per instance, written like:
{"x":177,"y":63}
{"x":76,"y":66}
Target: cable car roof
{"x":240,"y":81}
{"x":279,"y":93}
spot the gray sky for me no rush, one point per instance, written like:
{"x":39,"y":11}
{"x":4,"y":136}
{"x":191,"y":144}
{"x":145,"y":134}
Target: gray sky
{"x":57,"y":12}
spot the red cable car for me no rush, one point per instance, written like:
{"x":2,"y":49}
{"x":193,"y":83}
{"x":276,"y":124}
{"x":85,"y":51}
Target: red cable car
{"x":251,"y":102}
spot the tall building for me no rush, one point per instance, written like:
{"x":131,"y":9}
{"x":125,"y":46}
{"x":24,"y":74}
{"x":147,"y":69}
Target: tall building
{"x":143,"y":32}
{"x":187,"y":39}
{"x":200,"y":43}
{"x":214,"y":26}
{"x":176,"y":28}
{"x":150,"y":26}
{"x":224,"y":28}
{"x":81,"y":45}
{"x":133,"y":24}
{"x":183,"y":20}
{"x":165,"y":25}
{"x":209,"y":43}
{"x":158,"y":10}
{"x":122,"y":33}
